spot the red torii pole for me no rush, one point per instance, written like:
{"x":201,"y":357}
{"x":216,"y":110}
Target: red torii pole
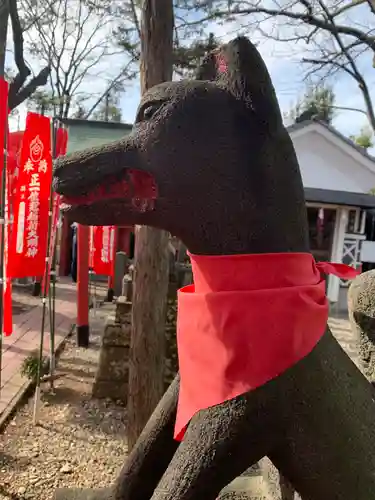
{"x":83,"y":329}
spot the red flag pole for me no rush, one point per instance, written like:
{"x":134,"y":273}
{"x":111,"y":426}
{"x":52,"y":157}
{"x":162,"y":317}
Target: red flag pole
{"x":50,"y":274}
{"x":44,"y":298}
{"x":2,"y":244}
{"x":83,"y":251}
{"x":3,"y":146}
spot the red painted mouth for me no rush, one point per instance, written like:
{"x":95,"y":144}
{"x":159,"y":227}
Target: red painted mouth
{"x":137,"y":187}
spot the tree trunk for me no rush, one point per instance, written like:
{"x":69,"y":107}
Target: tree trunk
{"x":147,"y":350}
{"x":4,"y":15}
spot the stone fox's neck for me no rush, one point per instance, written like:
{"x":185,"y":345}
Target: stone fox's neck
{"x":251,"y":236}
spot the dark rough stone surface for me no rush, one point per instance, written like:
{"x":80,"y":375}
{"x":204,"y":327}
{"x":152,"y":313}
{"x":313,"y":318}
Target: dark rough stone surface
{"x":228,"y":182}
{"x":116,"y":335}
{"x":114,"y":361}
{"x":112,"y":375}
{"x":123,"y":311}
{"x":127,"y":287}
{"x":361,"y":305}
{"x":115,"y":390}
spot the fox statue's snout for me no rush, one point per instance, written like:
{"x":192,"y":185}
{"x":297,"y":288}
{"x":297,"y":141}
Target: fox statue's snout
{"x":198,"y":163}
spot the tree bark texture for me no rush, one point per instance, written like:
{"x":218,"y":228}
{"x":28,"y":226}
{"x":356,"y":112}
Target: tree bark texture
{"x":147,"y":350}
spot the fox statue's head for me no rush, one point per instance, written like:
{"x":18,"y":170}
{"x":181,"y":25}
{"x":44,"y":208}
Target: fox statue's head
{"x":208,"y":160}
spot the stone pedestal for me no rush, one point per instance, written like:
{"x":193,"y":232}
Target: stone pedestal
{"x":127,"y":287}
{"x":111,"y":379}
{"x":361,"y":306}
{"x":123,"y":311}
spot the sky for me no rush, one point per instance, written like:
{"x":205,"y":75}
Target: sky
{"x":284,"y":64}
{"x":287,"y":72}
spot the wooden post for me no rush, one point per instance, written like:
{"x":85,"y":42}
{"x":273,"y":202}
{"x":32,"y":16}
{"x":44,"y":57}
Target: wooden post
{"x":147,"y":350}
{"x":83,"y":330}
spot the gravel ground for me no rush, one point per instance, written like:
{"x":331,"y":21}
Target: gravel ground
{"x":79,"y":441}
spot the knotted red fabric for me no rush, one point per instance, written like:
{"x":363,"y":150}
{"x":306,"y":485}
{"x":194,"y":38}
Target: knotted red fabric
{"x":246,"y":320}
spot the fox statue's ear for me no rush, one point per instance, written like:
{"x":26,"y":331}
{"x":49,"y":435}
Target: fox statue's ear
{"x":239,"y":67}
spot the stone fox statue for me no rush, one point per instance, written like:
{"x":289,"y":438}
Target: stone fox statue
{"x":260,"y":373}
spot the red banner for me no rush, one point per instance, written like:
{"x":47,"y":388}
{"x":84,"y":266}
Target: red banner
{"x":7,"y":292}
{"x":7,"y":283}
{"x":28,"y":244}
{"x":60,"y":150}
{"x":13,"y":159}
{"x":103,"y":249}
{"x":91,"y":248}
{"x":3,"y":118}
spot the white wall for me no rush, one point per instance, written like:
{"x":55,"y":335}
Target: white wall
{"x":323,"y":165}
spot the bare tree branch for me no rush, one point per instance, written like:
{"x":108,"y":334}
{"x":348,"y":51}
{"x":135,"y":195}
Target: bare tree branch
{"x":354,"y":3}
{"x":135,"y":18}
{"x":306,"y":17}
{"x":329,"y":28}
{"x":23,"y":70}
{"x":321,"y":64}
{"x":113,"y":84}
{"x":19,"y":90}
{"x":4,"y":15}
{"x":27,"y":90}
{"x":64,"y":38}
{"x":354,"y":71}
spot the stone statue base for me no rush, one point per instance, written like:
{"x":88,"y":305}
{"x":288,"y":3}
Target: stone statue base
{"x":111,"y":379}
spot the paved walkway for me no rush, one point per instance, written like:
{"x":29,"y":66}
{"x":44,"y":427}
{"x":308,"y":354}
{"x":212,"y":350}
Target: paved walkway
{"x":26,"y":338}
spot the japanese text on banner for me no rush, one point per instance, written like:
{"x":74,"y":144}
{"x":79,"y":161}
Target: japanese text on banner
{"x":103,"y":249}
{"x":60,"y":149}
{"x":28,"y":245}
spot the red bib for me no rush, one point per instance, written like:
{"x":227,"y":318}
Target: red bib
{"x":246,"y":320}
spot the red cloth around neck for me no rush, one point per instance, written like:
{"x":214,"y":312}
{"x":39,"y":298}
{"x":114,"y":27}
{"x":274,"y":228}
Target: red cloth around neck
{"x":246,"y":320}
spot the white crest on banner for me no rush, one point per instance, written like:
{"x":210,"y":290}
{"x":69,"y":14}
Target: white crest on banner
{"x":36,"y":149}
